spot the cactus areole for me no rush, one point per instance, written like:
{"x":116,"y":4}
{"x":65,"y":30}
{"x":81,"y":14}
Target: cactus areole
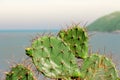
{"x":20,"y":72}
{"x":77,"y":38}
{"x":97,"y":67}
{"x":53,"y":57}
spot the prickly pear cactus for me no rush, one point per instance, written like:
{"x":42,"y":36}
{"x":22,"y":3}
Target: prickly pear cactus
{"x":98,"y":67}
{"x":53,"y":57}
{"x":20,"y":72}
{"x":77,"y":38}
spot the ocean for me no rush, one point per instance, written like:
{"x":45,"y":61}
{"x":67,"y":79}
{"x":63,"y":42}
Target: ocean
{"x":13,"y":44}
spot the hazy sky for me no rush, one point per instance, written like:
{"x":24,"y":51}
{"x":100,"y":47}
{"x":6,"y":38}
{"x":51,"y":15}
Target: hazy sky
{"x":52,"y":14}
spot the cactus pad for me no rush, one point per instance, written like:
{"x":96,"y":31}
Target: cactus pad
{"x":20,"y":72}
{"x":76,"y":37}
{"x":98,"y":67}
{"x":53,"y":57}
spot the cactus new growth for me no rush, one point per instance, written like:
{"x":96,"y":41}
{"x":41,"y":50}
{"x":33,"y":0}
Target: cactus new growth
{"x":53,"y":57}
{"x":20,"y":72}
{"x":77,"y":38}
{"x":98,"y":67}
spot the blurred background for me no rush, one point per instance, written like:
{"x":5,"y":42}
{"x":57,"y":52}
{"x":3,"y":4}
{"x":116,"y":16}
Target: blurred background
{"x":22,"y":20}
{"x":52,"y":14}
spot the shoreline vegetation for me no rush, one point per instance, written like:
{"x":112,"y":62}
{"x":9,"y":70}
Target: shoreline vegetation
{"x":107,"y":23}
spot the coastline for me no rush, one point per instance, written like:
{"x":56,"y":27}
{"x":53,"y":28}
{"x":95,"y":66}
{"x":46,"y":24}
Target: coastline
{"x":117,"y":31}
{"x":114,"y":32}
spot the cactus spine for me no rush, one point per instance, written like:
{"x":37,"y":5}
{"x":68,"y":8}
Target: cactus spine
{"x":97,"y":67}
{"x":76,"y":37}
{"x":53,"y":57}
{"x":20,"y":72}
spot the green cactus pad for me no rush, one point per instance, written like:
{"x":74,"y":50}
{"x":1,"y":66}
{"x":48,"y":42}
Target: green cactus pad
{"x":97,"y":67}
{"x":20,"y":72}
{"x":77,"y":38}
{"x":53,"y":57}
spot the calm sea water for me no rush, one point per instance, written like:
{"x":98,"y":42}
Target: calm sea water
{"x":107,"y":43}
{"x":13,"y":44}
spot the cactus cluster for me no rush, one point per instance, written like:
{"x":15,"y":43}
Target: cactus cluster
{"x":97,"y":67}
{"x":20,"y":72}
{"x":77,"y":38}
{"x":53,"y":57}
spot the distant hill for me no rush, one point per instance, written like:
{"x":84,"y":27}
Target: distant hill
{"x":108,"y":23}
